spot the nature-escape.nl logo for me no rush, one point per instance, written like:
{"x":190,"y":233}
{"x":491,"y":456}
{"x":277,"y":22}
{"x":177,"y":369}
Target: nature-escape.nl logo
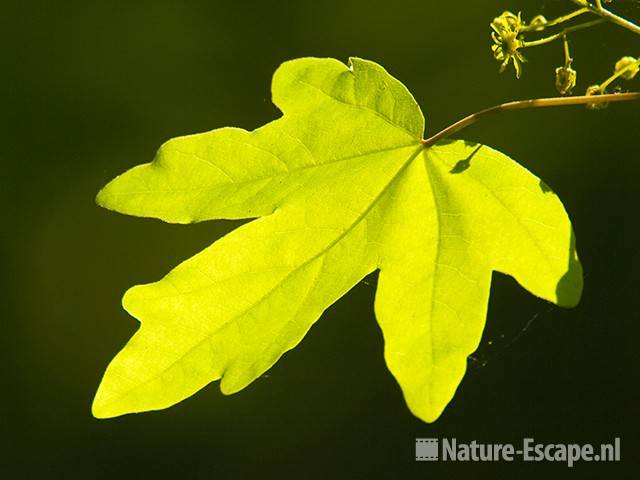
{"x":451,"y":450}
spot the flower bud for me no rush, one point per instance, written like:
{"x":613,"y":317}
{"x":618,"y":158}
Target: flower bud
{"x":595,"y":90}
{"x":629,"y":66}
{"x":565,"y":79}
{"x":538,"y":22}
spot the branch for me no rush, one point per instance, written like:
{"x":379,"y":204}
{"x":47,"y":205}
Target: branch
{"x":563,"y":33}
{"x":524,"y":104}
{"x":599,"y":10}
{"x":618,"y":20}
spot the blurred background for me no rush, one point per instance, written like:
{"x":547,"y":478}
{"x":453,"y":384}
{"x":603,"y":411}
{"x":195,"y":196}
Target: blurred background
{"x":90,"y":89}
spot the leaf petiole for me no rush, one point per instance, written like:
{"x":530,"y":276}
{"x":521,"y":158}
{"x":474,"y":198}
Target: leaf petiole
{"x":524,"y":104}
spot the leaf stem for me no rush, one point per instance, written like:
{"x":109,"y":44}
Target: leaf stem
{"x":524,"y":104}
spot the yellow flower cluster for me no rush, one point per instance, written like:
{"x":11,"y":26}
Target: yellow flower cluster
{"x":507,"y":42}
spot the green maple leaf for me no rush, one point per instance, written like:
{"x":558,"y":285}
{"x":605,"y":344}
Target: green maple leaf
{"x":342,"y":186}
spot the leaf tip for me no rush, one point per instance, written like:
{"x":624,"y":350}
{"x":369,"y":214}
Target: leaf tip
{"x":430,"y":408}
{"x":427,"y":414}
{"x":131,"y":300}
{"x":109,"y":401}
{"x":100,"y":408}
{"x":105,"y":196}
{"x":98,"y":412}
{"x":100,"y":197}
{"x":229,"y":384}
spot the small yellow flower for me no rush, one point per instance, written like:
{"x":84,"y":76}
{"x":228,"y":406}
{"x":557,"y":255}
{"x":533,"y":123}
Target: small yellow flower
{"x":507,"y":41}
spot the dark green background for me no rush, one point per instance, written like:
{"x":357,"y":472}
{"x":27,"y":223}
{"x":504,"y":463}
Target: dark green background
{"x":90,"y":89}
